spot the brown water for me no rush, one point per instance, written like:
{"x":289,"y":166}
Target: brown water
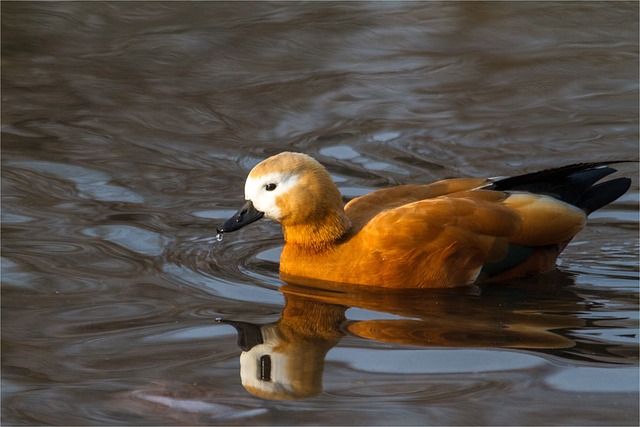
{"x":128,"y":129}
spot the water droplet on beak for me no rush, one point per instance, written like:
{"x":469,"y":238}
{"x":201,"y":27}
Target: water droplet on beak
{"x":219,"y":237}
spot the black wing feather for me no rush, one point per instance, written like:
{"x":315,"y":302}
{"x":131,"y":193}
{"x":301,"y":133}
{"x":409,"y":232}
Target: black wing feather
{"x":574,"y":184}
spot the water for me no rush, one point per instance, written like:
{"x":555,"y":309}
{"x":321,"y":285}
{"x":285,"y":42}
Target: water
{"x":128,"y":130}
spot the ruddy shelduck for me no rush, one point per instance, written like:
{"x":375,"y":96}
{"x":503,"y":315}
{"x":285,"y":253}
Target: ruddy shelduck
{"x":452,"y":232}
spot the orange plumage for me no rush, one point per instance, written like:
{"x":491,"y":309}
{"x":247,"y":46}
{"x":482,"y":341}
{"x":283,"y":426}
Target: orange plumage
{"x":449,"y":233}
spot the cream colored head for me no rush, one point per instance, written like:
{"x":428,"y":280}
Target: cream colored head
{"x":293,"y":189}
{"x":272,"y":179}
{"x":296,"y":191}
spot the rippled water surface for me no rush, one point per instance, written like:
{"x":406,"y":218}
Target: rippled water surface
{"x":128,"y":129}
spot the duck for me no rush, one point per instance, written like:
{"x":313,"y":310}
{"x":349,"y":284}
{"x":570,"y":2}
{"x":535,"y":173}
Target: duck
{"x":449,"y":233}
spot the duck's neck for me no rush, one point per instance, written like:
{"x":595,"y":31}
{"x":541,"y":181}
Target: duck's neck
{"x":319,"y":233}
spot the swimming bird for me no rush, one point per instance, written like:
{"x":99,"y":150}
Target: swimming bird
{"x":454,"y":232}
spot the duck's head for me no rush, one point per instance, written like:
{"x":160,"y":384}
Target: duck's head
{"x":296,"y":191}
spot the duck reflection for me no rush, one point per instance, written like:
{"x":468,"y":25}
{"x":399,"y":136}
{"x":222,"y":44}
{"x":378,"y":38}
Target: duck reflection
{"x":285,"y":360}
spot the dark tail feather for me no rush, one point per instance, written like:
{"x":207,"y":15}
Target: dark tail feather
{"x":573,"y":184}
{"x":602,"y":194}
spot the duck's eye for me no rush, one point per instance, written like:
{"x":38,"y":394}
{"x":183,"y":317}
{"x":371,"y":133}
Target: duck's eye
{"x":270,"y":187}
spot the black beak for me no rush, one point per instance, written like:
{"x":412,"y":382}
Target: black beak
{"x":245,"y":216}
{"x":249,"y":334}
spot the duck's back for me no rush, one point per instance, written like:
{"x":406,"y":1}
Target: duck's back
{"x":362,"y":209}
